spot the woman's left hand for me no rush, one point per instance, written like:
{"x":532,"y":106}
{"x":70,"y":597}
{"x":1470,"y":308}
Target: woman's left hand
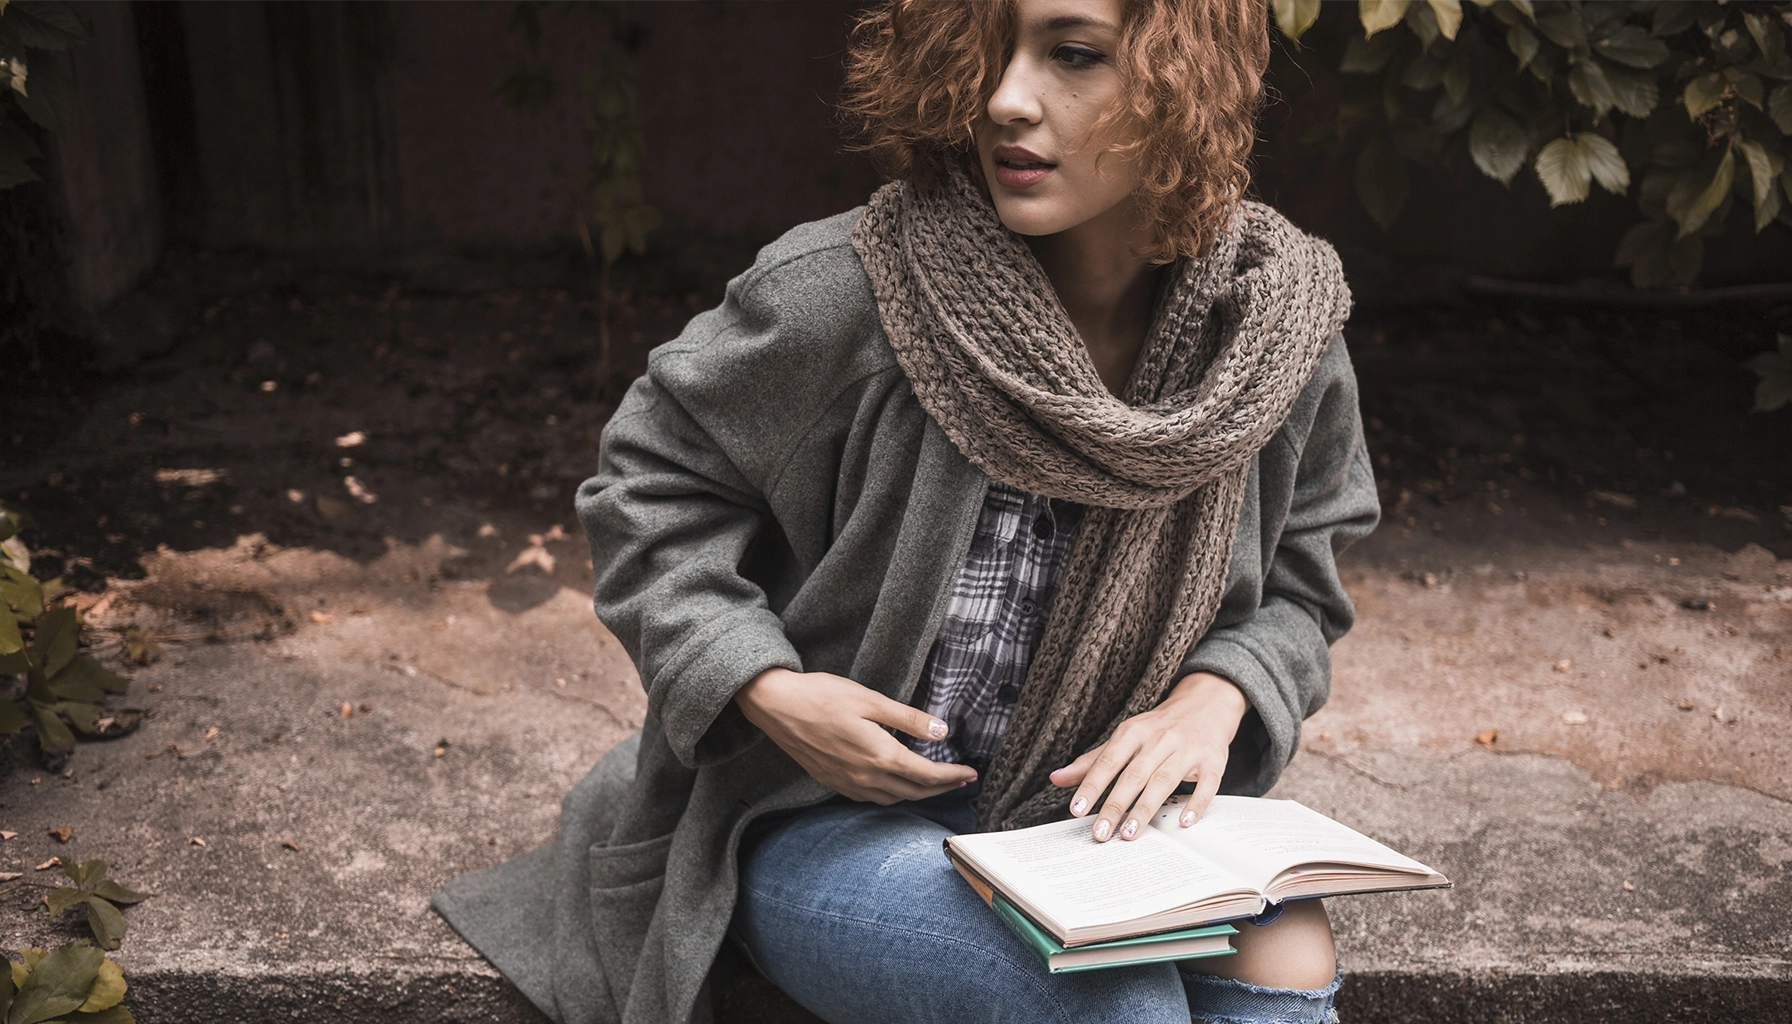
{"x":1186,"y":738}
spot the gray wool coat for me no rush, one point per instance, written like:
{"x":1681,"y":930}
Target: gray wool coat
{"x":772,"y":494}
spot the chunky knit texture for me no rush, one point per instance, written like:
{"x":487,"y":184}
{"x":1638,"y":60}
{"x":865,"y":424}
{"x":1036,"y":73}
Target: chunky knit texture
{"x":996,"y":362}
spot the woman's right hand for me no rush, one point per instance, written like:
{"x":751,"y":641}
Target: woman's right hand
{"x":832,"y":726}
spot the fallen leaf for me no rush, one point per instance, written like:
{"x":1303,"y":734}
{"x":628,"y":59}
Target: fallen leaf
{"x":293,"y":845}
{"x":1716,"y":712}
{"x":7,"y":876}
{"x":322,"y":618}
{"x":63,"y":833}
{"x":487,"y":530}
{"x":1564,"y":665}
{"x":366,"y":706}
{"x":37,"y":780}
{"x":1574,"y":717}
{"x":1613,"y":498}
{"x":331,"y":508}
{"x":359,"y":490}
{"x":352,"y":439}
{"x":1486,"y":737}
{"x":441,"y":751}
{"x":1696,"y":604}
{"x":1684,"y":704}
{"x":560,"y":683}
{"x":554,"y":533}
{"x":347,"y":709}
{"x":195,"y":841}
{"x":53,"y":862}
{"x":1628,"y":886}
{"x":5,"y":835}
{"x":1610,"y":632}
{"x":534,"y":554}
{"x":155,"y":687}
{"x":211,"y":734}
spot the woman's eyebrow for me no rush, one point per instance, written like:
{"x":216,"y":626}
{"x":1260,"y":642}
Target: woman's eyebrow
{"x":1064,"y":21}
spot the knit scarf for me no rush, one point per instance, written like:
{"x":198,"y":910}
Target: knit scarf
{"x":995,"y":361}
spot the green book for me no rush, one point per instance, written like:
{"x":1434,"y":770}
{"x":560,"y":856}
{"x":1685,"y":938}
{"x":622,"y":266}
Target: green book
{"x":1186,"y":944}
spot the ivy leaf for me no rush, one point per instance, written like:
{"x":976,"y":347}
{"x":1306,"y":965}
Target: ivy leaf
{"x":1449,"y":16}
{"x":52,"y":736}
{"x":64,"y":898}
{"x":1562,"y":166}
{"x":59,"y":984}
{"x":1766,"y":34}
{"x":1589,"y":85}
{"x":1631,"y":45}
{"x":21,"y":592}
{"x":54,"y":646}
{"x":86,"y":875}
{"x":116,"y":893}
{"x":108,"y":988}
{"x":1690,"y":208}
{"x":1564,"y":27}
{"x":1763,"y":169}
{"x":1775,"y":370}
{"x":1523,"y":45}
{"x":11,"y":718}
{"x":85,"y":676}
{"x":1605,"y":162}
{"x":1378,"y":15}
{"x":1779,"y":107}
{"x":1703,"y":93}
{"x":1381,"y":181}
{"x":11,"y":641}
{"x":106,"y":923}
{"x":1747,"y":86}
{"x":1633,"y":92}
{"x":1294,"y":17}
{"x":1498,"y":145}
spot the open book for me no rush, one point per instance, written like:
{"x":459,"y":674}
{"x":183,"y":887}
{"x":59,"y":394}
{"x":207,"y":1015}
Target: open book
{"x":1243,"y":855}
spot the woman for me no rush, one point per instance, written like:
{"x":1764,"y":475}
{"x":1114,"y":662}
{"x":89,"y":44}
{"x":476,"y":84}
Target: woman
{"x":1042,"y":461}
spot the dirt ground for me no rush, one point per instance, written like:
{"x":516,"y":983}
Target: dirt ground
{"x":330,"y":412}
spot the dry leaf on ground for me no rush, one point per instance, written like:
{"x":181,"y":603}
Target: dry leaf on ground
{"x":196,"y":841}
{"x":5,"y":835}
{"x":322,"y":618}
{"x":292,"y":844}
{"x":62,"y":833}
{"x":1486,"y":737}
{"x":347,"y":709}
{"x":48,"y":864}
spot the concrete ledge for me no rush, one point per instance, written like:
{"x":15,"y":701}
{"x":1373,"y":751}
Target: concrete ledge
{"x":1585,"y":998}
{"x":461,"y":995}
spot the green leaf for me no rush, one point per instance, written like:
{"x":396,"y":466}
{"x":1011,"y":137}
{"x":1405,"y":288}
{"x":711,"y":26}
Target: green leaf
{"x":1605,"y":162}
{"x":1767,"y":35}
{"x":1381,"y":181}
{"x":119,"y":894}
{"x":54,"y":646}
{"x":1424,"y":73}
{"x":58,"y":984}
{"x":21,"y":592}
{"x":64,"y":898}
{"x":1368,"y":55}
{"x":84,"y":717}
{"x":1378,"y":15}
{"x":43,"y":25}
{"x":1423,"y":24}
{"x":1779,"y":107}
{"x":108,"y":988}
{"x":1703,"y":93}
{"x":1564,"y":27}
{"x":1498,"y":145}
{"x":52,"y":736}
{"x":85,"y":875}
{"x":11,"y":641}
{"x":105,"y":922}
{"x":1457,"y":79}
{"x":1645,"y":249}
{"x":1747,"y":86}
{"x":1562,"y":166}
{"x":1691,"y":210}
{"x":1632,"y":45}
{"x":51,"y":101}
{"x":1526,"y":8}
{"x":7,"y":990}
{"x":111,"y":1015}
{"x":1775,"y":370}
{"x":1294,"y":17}
{"x":1523,"y":45}
{"x":1587,"y":81}
{"x":86,"y":679}
{"x":1763,"y":171}
{"x":1673,"y":18}
{"x":1633,"y":92}
{"x":1449,"y":16}
{"x":11,"y":718}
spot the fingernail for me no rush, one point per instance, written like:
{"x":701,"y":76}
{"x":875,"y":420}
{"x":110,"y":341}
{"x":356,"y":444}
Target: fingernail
{"x":1102,"y":828}
{"x":936,"y":728}
{"x":1188,"y":818}
{"x":1078,"y":806}
{"x":1130,"y":829}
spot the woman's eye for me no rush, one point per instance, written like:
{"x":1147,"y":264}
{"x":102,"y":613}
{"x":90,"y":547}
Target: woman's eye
{"x":1078,"y":56}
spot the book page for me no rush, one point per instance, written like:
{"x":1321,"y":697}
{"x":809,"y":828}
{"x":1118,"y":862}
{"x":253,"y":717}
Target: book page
{"x":1060,"y":872}
{"x":1258,"y":839}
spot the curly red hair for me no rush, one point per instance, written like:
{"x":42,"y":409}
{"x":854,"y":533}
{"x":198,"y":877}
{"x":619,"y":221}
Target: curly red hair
{"x":920,"y":73}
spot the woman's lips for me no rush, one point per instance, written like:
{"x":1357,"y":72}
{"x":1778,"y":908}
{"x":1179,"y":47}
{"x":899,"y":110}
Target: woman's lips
{"x":1021,"y":177}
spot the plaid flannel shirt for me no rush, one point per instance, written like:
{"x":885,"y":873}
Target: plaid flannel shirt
{"x":998,"y":609}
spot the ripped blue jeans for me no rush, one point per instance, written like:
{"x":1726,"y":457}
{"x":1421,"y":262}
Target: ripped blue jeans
{"x":853,"y":910}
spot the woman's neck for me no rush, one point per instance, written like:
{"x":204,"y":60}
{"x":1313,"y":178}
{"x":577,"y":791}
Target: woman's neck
{"x":1105,"y":286}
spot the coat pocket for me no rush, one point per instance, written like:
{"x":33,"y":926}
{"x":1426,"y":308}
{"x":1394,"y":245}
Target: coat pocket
{"x":626,"y":882}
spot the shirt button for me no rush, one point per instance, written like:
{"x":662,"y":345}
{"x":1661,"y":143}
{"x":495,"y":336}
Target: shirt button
{"x":1042,"y":528}
{"x":1027,"y":607}
{"x":1008,"y":693}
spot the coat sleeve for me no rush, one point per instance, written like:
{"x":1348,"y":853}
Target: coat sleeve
{"x":1283,"y":610}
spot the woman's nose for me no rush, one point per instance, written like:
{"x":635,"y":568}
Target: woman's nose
{"x":1015,"y":99}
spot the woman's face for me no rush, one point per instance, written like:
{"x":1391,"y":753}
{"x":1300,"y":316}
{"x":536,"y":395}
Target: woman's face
{"x":1047,"y":171}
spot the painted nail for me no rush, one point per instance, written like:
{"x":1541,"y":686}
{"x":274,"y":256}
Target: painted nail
{"x":1130,"y":829}
{"x":936,"y":728}
{"x":1079,"y":805}
{"x":1102,"y":828}
{"x":1188,"y":818}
